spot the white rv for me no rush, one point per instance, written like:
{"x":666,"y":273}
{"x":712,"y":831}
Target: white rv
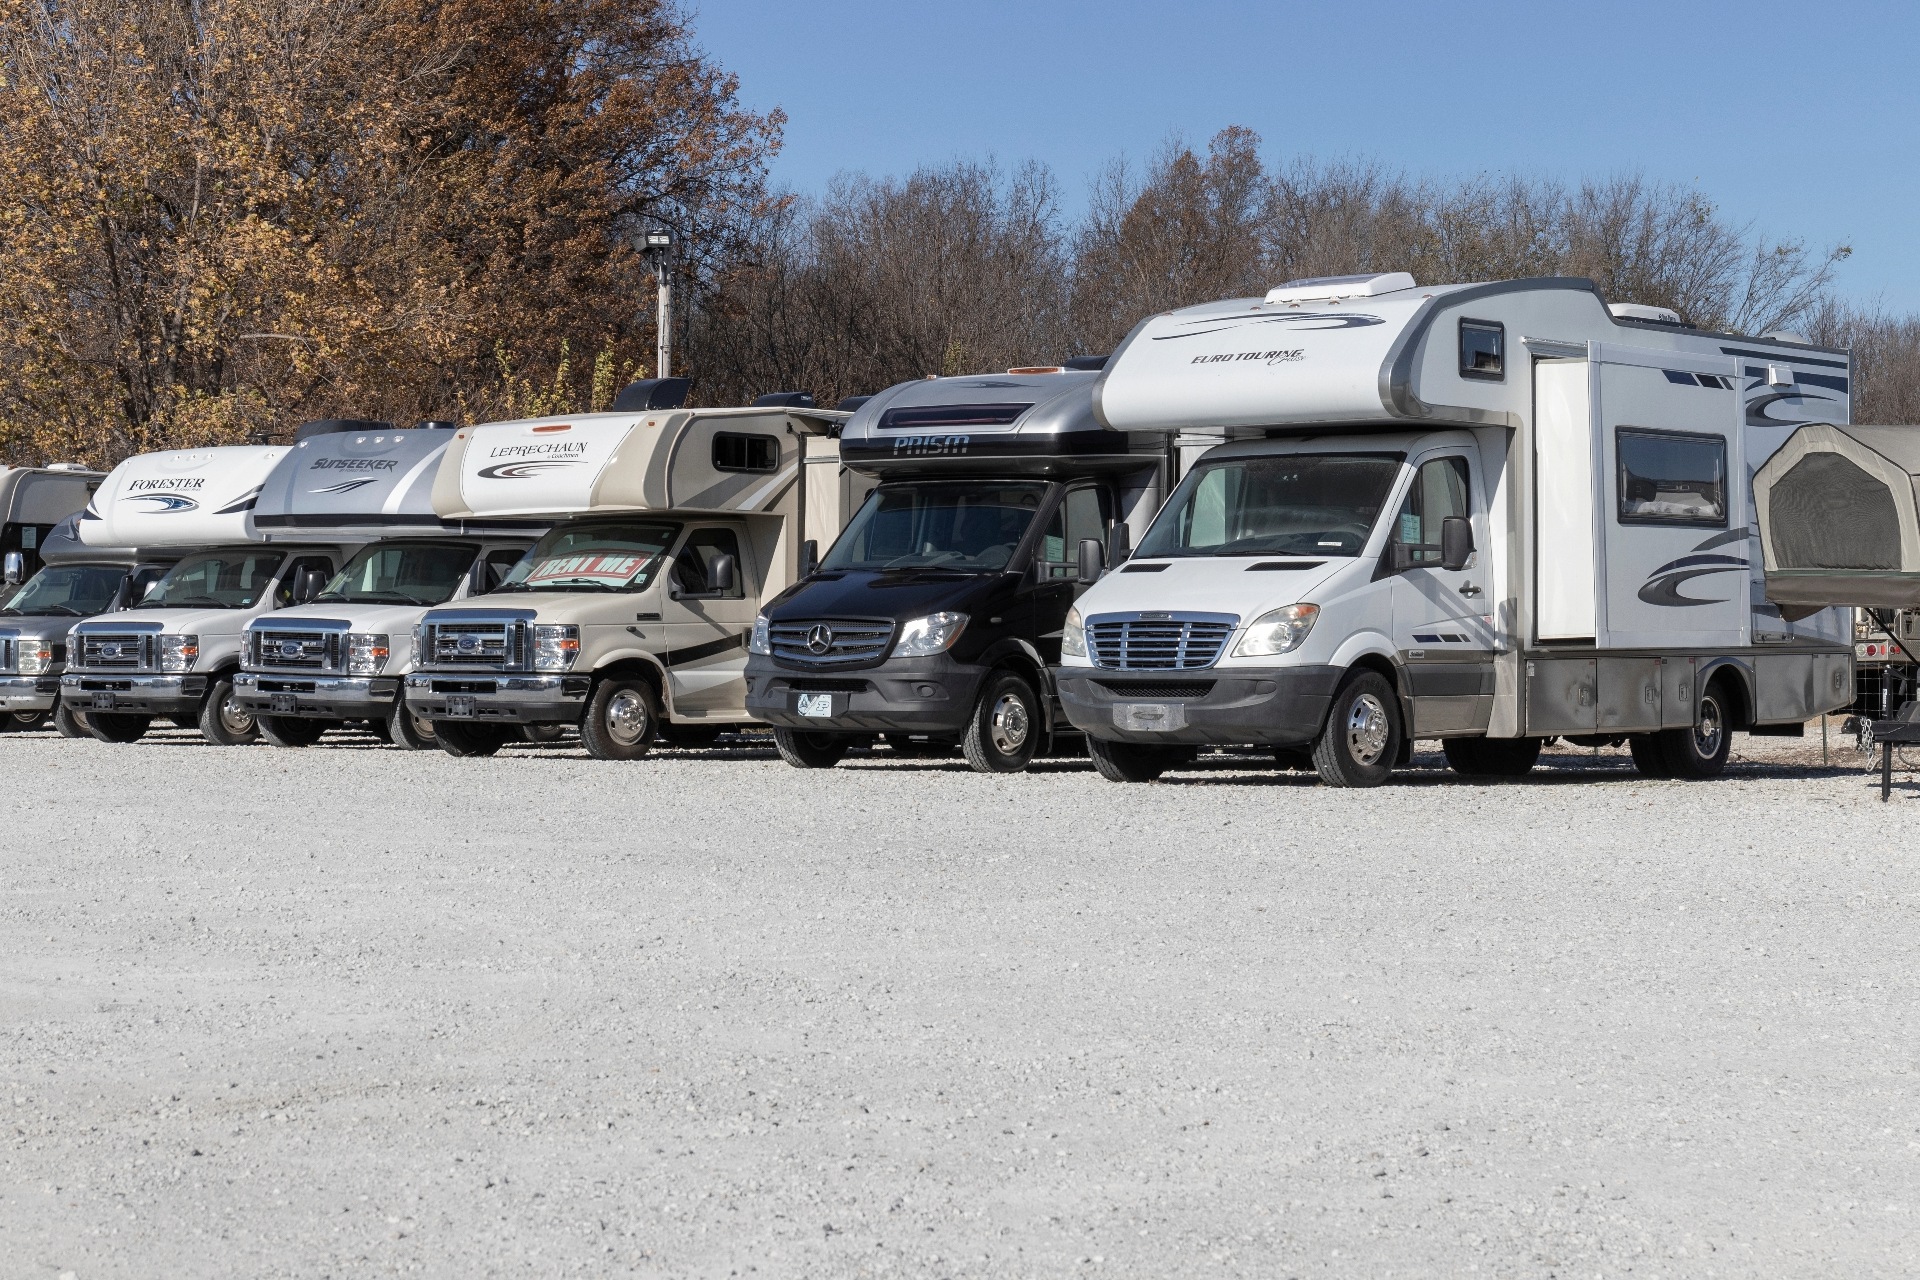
{"x":32,"y":501}
{"x":630,"y":618}
{"x":1489,"y":514}
{"x":175,"y":653}
{"x":341,"y":658}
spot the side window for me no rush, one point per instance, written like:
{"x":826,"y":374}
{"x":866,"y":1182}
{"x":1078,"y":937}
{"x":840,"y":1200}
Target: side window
{"x":695,"y":562}
{"x":1667,"y":477}
{"x":1440,"y":489}
{"x":499,"y":563}
{"x":1483,"y":350}
{"x":141,"y":581}
{"x":739,"y":451}
{"x":1077,"y":518}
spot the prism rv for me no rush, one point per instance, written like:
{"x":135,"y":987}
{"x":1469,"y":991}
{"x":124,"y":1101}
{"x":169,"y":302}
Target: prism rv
{"x":1489,"y":514}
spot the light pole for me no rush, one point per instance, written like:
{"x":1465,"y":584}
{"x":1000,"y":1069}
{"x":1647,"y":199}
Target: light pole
{"x":658,"y":245}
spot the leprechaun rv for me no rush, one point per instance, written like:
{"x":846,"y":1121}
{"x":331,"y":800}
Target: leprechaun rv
{"x":1489,"y":514}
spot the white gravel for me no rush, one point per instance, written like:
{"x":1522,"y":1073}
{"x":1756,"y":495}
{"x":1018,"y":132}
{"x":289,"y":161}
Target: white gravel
{"x":351,"y":1011}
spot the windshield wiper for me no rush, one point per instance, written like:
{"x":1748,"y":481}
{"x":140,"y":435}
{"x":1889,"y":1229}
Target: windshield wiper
{"x":175,"y":604}
{"x":63,"y":609}
{"x":375,"y":597}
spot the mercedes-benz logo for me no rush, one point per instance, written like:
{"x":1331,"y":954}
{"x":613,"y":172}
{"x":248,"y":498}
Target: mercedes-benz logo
{"x":819,"y":638}
{"x":468,"y":644}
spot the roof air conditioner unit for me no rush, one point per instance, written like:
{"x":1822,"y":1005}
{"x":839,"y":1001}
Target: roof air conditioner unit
{"x":1327,"y":288}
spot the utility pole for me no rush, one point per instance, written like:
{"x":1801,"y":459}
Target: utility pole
{"x":658,"y":245}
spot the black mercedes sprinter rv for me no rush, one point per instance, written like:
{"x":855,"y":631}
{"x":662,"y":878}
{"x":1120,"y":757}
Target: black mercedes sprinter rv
{"x":934,"y":619}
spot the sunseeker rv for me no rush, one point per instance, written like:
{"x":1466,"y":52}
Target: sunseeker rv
{"x":342,"y":657}
{"x":1489,"y":514}
{"x":175,"y":653}
{"x":935,"y":617}
{"x":75,"y":581}
{"x":630,"y":617}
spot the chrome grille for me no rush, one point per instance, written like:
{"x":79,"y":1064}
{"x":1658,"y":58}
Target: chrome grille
{"x":290,"y":650}
{"x":1158,"y":641}
{"x":500,"y":645}
{"x":117,"y":651}
{"x":829,"y":642}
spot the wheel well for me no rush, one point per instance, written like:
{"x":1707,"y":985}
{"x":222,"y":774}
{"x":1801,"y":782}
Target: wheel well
{"x":1377,"y":663}
{"x":634,"y":669}
{"x":1739,"y":697}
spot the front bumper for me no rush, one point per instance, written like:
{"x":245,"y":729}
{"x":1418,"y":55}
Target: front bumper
{"x":316,"y":697}
{"x":502,"y":699}
{"x":147,"y":695}
{"x":902,"y":695}
{"x":29,"y":693}
{"x":1225,"y":706}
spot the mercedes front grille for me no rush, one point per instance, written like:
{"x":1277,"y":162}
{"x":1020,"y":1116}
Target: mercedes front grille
{"x":1158,"y":641}
{"x":830,"y":642}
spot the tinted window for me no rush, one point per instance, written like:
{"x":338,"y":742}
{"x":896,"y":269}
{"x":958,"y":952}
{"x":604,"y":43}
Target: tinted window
{"x":402,"y":573}
{"x":973,"y":527}
{"x":735,"y":452}
{"x":77,"y":589}
{"x":1482,"y":350}
{"x":1078,"y":518}
{"x":1317,"y":504}
{"x":616,"y":556}
{"x":945,"y":416}
{"x":1439,"y":490}
{"x":693,"y":567}
{"x":216,"y":580}
{"x":500,"y":563}
{"x":1667,"y":477}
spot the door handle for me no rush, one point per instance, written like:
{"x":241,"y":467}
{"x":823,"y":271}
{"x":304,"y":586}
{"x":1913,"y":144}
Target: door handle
{"x":1468,"y":589}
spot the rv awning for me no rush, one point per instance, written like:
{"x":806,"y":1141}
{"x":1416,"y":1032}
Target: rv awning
{"x":1839,"y":514}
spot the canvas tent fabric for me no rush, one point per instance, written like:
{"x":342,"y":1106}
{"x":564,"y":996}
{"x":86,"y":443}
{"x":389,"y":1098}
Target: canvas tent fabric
{"x":1839,"y":515}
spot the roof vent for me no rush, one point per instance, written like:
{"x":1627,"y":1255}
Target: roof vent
{"x":849,"y":403}
{"x":436,"y":424}
{"x":67,"y":466}
{"x":784,"y":400}
{"x":652,"y":393}
{"x":334,"y":426}
{"x":1326,"y":288}
{"x":1641,"y":311}
{"x":1787,"y":335}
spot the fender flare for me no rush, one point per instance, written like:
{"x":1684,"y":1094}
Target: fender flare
{"x":1024,"y":655}
{"x":1745,"y":687}
{"x":639,"y":658}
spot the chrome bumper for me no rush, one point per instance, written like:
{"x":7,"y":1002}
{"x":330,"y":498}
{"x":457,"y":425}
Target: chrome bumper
{"x":139,"y":694}
{"x":510,"y":699}
{"x":327,"y":697}
{"x":29,"y":693}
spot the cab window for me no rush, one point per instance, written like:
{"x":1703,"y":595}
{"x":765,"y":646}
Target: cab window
{"x":498,"y":564}
{"x":693,"y":567}
{"x":1439,"y":490}
{"x":1077,"y":519}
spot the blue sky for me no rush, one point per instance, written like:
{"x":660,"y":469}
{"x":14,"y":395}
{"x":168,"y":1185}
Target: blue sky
{"x":1799,"y":119}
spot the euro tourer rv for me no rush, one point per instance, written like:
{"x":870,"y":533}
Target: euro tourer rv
{"x":1489,"y":514}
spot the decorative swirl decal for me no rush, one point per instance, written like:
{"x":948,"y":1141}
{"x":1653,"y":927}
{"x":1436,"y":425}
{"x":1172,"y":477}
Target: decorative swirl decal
{"x":165,"y":504}
{"x":346,"y":486}
{"x":525,"y":470}
{"x":1290,"y":319}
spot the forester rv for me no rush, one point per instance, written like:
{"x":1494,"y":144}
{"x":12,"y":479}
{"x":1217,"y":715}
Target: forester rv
{"x":32,"y":501}
{"x":175,"y":653}
{"x":934,"y":619}
{"x":1489,"y":514}
{"x":342,"y":657}
{"x":630,"y":617}
{"x":75,"y":582}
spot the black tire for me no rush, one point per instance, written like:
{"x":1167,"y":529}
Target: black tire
{"x":1361,"y":739}
{"x":70,"y":722}
{"x":222,"y":722}
{"x":1133,"y":761}
{"x":117,"y":726}
{"x":622,"y":718}
{"x":804,"y":749}
{"x":27,"y":721}
{"x":690,"y":737}
{"x":542,"y":732}
{"x":405,"y":729}
{"x":1491,"y":757}
{"x":1006,"y":726}
{"x":291,"y":731}
{"x":1701,"y":751}
{"x":465,"y":739}
{"x":1649,"y":757}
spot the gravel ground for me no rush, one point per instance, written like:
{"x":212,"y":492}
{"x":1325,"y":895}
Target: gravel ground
{"x":351,"y":1011}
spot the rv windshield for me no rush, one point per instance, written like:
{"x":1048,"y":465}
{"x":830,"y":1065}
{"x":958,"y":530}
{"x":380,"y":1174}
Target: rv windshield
{"x":1301,"y":504}
{"x":215,"y":580}
{"x":594,"y":557}
{"x":78,"y":590}
{"x":958,"y":525}
{"x":401,"y":573}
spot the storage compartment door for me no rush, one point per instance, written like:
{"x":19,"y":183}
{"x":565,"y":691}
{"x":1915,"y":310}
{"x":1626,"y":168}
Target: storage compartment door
{"x":1564,"y":559}
{"x":1674,"y":528}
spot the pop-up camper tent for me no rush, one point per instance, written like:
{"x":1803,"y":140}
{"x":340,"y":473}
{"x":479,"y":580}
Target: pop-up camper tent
{"x":1839,"y":515}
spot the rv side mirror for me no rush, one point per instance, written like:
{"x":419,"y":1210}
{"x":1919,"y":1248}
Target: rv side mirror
{"x":1092,"y":560}
{"x":1119,"y":544}
{"x":16,"y":568}
{"x":721,"y":574}
{"x":307,"y":584}
{"x":1456,"y":542}
{"x":809,"y":557}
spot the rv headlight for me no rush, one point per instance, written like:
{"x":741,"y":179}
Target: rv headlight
{"x":759,"y":643}
{"x":924,"y":637}
{"x":1280,"y":631}
{"x":419,"y":645}
{"x":366,"y":653}
{"x":555,"y":646}
{"x":1073,"y":637}
{"x":177,"y":653}
{"x":35,"y":657}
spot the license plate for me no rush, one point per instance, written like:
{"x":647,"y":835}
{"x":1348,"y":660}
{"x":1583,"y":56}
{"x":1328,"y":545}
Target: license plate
{"x":103,"y":702}
{"x":459,"y":708}
{"x":818,"y":706}
{"x":1149,"y":717}
{"x":284,"y":704}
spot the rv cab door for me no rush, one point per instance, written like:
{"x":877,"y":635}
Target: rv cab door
{"x":1442,"y":626}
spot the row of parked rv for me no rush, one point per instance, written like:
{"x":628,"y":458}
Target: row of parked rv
{"x":1323,"y":522}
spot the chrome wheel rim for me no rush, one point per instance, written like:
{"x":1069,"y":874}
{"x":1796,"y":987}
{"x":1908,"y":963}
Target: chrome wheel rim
{"x":1367,"y":729}
{"x":1008,"y":724}
{"x":422,"y":729}
{"x":234,"y":718}
{"x":1707,"y":734}
{"x":627,"y":719}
